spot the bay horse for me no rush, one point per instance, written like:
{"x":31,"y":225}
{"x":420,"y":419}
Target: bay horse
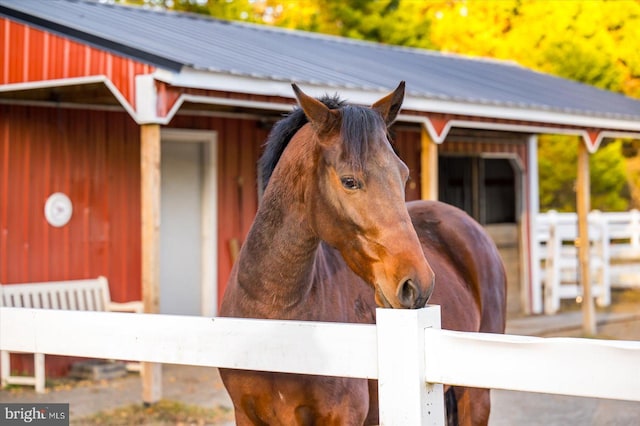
{"x":333,"y":239}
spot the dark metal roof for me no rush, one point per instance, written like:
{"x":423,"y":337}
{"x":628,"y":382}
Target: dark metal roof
{"x":174,"y":40}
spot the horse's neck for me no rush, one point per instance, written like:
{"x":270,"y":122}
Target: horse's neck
{"x":276,"y":262}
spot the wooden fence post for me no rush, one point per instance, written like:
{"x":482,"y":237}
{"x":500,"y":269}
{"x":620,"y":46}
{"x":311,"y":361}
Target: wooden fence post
{"x":405,"y":397}
{"x":602,"y":253}
{"x":552,"y":266}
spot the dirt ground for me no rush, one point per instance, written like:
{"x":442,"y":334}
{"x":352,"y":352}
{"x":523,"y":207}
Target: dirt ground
{"x":192,"y":386}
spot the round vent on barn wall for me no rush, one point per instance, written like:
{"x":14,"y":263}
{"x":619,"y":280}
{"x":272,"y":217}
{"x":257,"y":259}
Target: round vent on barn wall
{"x":58,"y":209}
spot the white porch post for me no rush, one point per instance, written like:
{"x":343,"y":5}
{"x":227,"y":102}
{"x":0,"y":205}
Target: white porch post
{"x":534,"y":301}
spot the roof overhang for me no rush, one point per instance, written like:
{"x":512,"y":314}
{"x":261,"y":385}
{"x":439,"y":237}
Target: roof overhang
{"x":191,"y":78}
{"x":593,"y":129}
{"x":82,"y":92}
{"x":439,"y":129}
{"x":161,"y":95}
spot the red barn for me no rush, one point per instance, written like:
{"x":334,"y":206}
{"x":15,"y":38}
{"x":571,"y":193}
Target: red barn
{"x":151,"y":123}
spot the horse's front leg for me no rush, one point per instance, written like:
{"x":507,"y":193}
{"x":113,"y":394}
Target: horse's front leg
{"x":474,"y":405}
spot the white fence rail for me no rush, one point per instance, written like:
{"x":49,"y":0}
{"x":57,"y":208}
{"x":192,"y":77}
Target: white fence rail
{"x":404,"y":350}
{"x":614,"y":248}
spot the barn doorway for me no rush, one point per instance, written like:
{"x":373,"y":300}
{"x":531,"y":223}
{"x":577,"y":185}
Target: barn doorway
{"x":188,"y":237}
{"x":486,"y":188}
{"x":490,"y":188}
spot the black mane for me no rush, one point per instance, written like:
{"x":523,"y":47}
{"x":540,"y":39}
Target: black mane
{"x":356,"y":121}
{"x":281,"y":134}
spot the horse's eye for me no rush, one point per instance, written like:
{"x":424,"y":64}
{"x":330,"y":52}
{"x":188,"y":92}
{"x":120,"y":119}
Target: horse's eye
{"x":350,"y":182}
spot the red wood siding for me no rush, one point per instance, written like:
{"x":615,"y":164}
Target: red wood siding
{"x":28,"y":54}
{"x":485,"y":147}
{"x":239,"y":147}
{"x":168,"y":95}
{"x":407,"y":144}
{"x":94,"y":158}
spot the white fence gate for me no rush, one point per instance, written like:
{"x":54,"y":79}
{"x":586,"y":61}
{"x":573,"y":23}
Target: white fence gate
{"x":406,"y":351}
{"x":614,"y":255}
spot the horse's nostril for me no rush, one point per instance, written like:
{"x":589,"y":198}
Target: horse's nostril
{"x":407,"y":293}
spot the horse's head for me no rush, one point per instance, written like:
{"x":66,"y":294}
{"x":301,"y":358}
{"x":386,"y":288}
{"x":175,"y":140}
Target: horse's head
{"x":357,"y":202}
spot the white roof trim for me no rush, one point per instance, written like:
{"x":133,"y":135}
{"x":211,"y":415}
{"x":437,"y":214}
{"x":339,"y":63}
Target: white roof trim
{"x":44,"y":84}
{"x":440,"y":137}
{"x":521,"y":114}
{"x":189,"y":77}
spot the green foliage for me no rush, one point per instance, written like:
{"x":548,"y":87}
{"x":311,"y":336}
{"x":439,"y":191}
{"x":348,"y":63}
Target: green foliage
{"x":557,"y":169}
{"x":609,"y":186}
{"x":384,"y":21}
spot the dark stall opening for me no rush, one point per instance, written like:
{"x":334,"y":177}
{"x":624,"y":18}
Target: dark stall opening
{"x":483,"y":187}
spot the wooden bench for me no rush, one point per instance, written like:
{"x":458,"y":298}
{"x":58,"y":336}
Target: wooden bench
{"x":79,"y":295}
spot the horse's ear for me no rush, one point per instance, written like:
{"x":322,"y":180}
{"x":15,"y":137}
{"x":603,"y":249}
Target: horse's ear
{"x":322,"y":118}
{"x":389,"y":106}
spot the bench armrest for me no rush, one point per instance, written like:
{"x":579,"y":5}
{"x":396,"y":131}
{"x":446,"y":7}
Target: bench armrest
{"x":135,"y":306}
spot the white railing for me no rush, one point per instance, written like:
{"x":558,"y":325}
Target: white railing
{"x":614,"y":248}
{"x":405,"y":350}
